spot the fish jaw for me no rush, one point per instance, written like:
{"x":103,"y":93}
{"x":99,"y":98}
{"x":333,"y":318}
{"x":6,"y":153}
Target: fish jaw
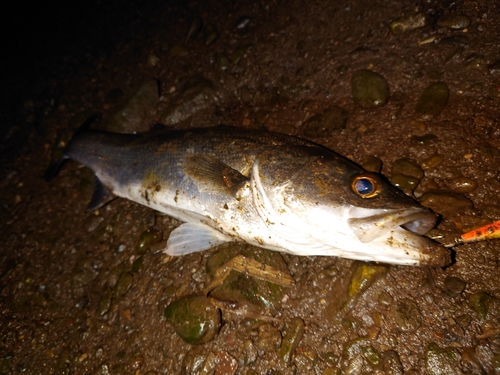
{"x":396,"y":235}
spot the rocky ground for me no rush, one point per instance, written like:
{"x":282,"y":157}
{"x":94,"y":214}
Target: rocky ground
{"x":408,"y":88}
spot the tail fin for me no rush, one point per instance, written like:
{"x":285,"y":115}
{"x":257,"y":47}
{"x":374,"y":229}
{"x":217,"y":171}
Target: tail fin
{"x":54,"y":167}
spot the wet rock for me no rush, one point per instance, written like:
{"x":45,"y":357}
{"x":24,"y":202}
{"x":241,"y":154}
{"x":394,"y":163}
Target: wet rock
{"x":372,"y":355}
{"x":226,"y":364}
{"x":293,"y":334}
{"x":462,"y":185}
{"x":223,"y":62}
{"x":494,"y":68}
{"x":138,"y":264}
{"x":457,"y":40}
{"x":196,"y":96}
{"x":425,"y":139}
{"x":406,"y":174}
{"x":352,"y":355}
{"x":432,"y":162}
{"x":92,"y":222}
{"x":178,"y":51}
{"x":454,"y":284}
{"x":147,"y":239}
{"x":444,"y":201}
{"x":439,"y":361}
{"x":237,"y":54}
{"x":480,"y":303}
{"x":433,"y":99}
{"x":239,"y":287}
{"x":475,"y":62}
{"x":123,"y":284}
{"x":210,"y":35}
{"x":194,"y":28}
{"x":251,"y":352}
{"x":194,"y":361}
{"x":137,"y":114}
{"x":405,"y":315}
{"x":104,"y":302}
{"x":454,"y":21}
{"x":371,"y":163}
{"x":245,"y":94}
{"x":242,"y":25}
{"x":194,"y":319}
{"x":369,"y":89}
{"x":391,"y":363}
{"x":269,"y":338}
{"x":84,"y":272}
{"x":408,"y":23}
{"x":326,"y":123}
{"x":363,"y":276}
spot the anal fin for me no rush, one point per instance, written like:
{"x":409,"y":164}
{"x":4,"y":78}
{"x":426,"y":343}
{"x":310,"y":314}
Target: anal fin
{"x":193,"y":237}
{"x":100,"y":196}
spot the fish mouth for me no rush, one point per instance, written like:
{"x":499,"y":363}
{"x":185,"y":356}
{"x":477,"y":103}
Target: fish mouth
{"x":397,"y":235}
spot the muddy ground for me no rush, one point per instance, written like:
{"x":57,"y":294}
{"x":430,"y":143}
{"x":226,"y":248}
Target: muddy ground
{"x":85,"y":293}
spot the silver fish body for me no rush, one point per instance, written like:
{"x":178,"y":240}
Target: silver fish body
{"x":270,"y":190}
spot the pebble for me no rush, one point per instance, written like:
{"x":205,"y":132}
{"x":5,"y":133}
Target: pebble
{"x":269,"y":339}
{"x":408,"y":23}
{"x":425,"y":139}
{"x":293,"y":334}
{"x":369,"y":89}
{"x":454,"y":284}
{"x":432,"y":162}
{"x":441,"y":361}
{"x":148,"y":238}
{"x":245,"y":94}
{"x":178,"y":51}
{"x":480,"y":302}
{"x":196,"y":96}
{"x":123,"y":284}
{"x":433,"y":99}
{"x":363,"y":276}
{"x":405,"y":315}
{"x":406,"y":174}
{"x":92,"y":222}
{"x":371,"y":163}
{"x":462,"y":185}
{"x":454,"y":21}
{"x":194,"y":318}
{"x":391,"y":363}
{"x":325,"y":124}
{"x":494,"y":68}
{"x":137,"y":113}
{"x":444,"y":201}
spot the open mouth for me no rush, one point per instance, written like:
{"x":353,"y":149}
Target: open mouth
{"x":368,"y":224}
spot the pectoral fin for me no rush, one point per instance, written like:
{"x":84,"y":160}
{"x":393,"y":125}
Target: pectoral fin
{"x":193,"y":237}
{"x":211,"y":173}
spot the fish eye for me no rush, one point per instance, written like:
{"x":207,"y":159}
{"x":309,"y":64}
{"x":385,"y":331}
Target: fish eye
{"x":366,"y":186}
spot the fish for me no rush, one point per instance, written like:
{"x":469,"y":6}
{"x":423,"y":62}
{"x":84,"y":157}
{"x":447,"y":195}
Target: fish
{"x":270,"y":190}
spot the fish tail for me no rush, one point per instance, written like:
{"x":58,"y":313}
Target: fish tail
{"x":55,"y":167}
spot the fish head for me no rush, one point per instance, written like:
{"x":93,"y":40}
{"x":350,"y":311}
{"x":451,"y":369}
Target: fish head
{"x":391,"y":223}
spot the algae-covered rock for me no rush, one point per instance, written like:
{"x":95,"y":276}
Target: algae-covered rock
{"x":433,"y":99}
{"x":194,"y":318}
{"x":369,"y":89}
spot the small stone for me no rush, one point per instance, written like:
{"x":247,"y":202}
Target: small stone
{"x":92,"y":222}
{"x":432,"y":162}
{"x":441,"y":361}
{"x":462,"y":185}
{"x":425,"y":139}
{"x":408,"y":23}
{"x":369,"y":89}
{"x":443,"y":201}
{"x":454,"y":21}
{"x":245,"y":94}
{"x":479,"y":302}
{"x":123,"y":284}
{"x":363,"y":276}
{"x":147,"y":239}
{"x":294,"y":332}
{"x":454,"y":284}
{"x":405,"y":315}
{"x":494,"y":68}
{"x":371,"y":355}
{"x":223,"y":62}
{"x":269,"y":339}
{"x":326,"y":123}
{"x":371,"y":163}
{"x":433,"y":99}
{"x":391,"y":363}
{"x":194,"y":318}
{"x":178,"y":51}
{"x":405,"y":167}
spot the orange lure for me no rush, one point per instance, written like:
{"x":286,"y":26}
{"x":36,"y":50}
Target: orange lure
{"x":487,"y":232}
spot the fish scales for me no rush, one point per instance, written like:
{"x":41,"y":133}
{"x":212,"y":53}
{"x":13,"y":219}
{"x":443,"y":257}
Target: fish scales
{"x":270,"y":190}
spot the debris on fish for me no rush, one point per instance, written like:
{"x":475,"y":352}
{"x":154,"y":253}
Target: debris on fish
{"x":269,"y":190}
{"x":486,"y":232}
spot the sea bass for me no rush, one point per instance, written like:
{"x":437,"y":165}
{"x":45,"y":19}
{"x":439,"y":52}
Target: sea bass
{"x":270,"y":190}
